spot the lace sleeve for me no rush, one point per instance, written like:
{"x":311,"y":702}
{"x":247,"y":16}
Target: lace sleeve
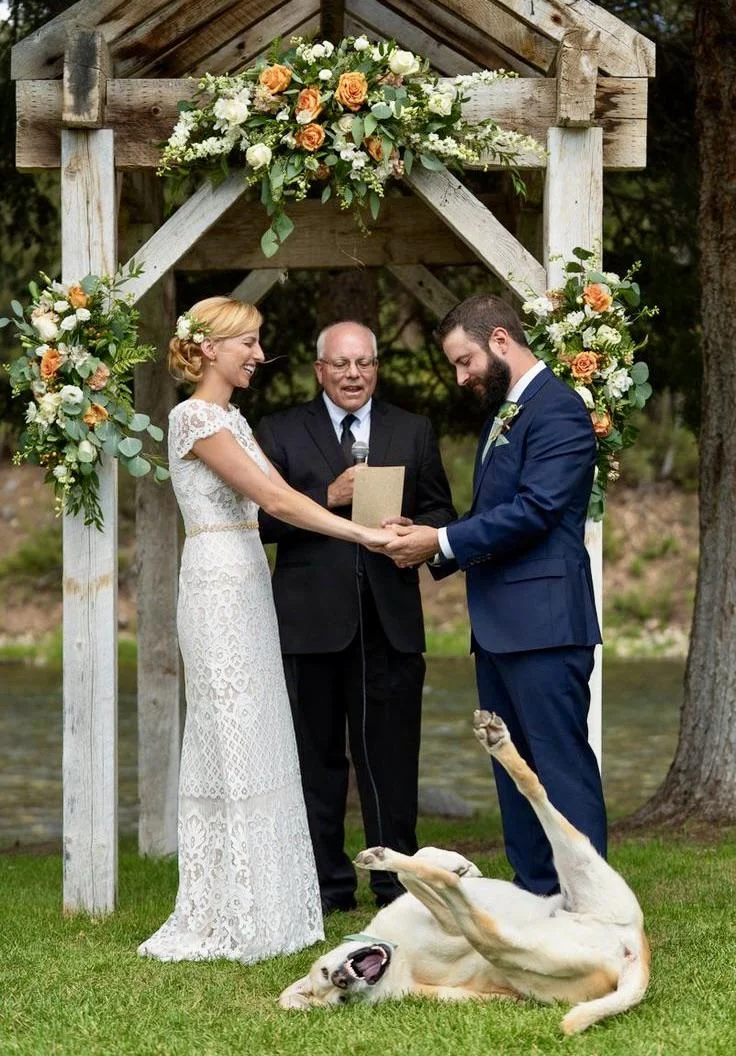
{"x":193,"y":420}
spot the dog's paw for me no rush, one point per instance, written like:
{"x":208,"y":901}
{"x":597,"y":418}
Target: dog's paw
{"x":490,"y":730}
{"x":449,"y":860}
{"x":371,"y":858}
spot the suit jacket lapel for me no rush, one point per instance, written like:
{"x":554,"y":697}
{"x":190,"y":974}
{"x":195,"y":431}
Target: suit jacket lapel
{"x":528,"y":394}
{"x":381,"y":432}
{"x":320,"y":428}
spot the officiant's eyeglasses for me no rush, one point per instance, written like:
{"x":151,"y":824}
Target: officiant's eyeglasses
{"x":342,"y":366}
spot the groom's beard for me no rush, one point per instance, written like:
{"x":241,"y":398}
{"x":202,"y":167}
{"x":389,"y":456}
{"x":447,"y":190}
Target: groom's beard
{"x":493,"y":386}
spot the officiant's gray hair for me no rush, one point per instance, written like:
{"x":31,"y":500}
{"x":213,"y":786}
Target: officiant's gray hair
{"x":322,"y":337}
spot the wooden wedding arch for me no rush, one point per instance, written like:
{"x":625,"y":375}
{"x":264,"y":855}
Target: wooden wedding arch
{"x":97,"y":89}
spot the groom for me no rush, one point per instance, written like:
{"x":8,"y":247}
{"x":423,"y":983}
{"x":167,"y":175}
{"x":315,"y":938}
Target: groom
{"x":530,"y":592}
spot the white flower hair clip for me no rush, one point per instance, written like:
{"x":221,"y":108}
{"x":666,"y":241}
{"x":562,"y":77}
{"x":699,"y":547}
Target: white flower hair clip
{"x":189,"y":328}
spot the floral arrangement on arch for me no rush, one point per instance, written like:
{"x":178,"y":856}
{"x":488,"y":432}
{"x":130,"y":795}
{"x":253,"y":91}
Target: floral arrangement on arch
{"x":583,"y":333}
{"x":80,"y":346}
{"x":346,"y":119}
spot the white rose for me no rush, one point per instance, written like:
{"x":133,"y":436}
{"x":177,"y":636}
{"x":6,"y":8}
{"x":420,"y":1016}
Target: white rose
{"x":403,"y":62}
{"x":61,"y":306}
{"x":318,"y":51}
{"x":71,"y":394}
{"x":87,"y":451}
{"x":258,"y":155}
{"x":329,"y":47}
{"x":48,"y":407}
{"x":183,"y":328}
{"x":45,"y":324}
{"x":232,"y":111}
{"x":325,"y":75}
{"x":586,"y":396}
{"x":618,"y":383}
{"x":31,"y":412}
{"x":608,"y":336}
{"x":69,"y":322}
{"x":362,"y":44}
{"x":440,"y":103}
{"x":82,"y":314}
{"x":345,"y":123}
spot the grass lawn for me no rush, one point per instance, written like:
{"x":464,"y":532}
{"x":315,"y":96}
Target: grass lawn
{"x":77,"y":987}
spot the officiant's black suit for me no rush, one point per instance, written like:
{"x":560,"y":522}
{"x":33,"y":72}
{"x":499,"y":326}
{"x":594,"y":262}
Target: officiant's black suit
{"x":327,"y":591}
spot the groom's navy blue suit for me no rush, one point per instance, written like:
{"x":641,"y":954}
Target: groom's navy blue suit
{"x":532,"y":612}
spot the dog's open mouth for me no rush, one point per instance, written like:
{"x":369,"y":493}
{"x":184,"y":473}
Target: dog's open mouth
{"x":369,"y":963}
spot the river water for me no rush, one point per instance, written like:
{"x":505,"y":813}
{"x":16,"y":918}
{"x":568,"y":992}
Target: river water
{"x":640,"y":722}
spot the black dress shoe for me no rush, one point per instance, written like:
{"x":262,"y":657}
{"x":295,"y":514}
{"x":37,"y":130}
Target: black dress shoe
{"x":337,"y":906}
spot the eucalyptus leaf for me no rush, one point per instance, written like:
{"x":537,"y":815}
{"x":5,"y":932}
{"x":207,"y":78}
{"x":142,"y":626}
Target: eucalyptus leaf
{"x":138,"y":467}
{"x":430,"y":162}
{"x":381,"y":111}
{"x":582,"y":254}
{"x":17,"y":308}
{"x":356,"y":130}
{"x":161,"y":474}
{"x":155,"y":433}
{"x":283,"y":226}
{"x":326,"y":193}
{"x":3,"y":323}
{"x":130,"y":446}
{"x":139,"y":422}
{"x":639,"y":373}
{"x":269,"y":242}
{"x":375,"y":204}
{"x":408,"y":161}
{"x":370,"y":124}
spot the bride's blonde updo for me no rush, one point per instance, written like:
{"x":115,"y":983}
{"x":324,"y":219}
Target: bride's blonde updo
{"x":219,"y":317}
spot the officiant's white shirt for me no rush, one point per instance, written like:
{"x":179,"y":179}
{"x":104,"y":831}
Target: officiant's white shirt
{"x":513,"y":396}
{"x":361,"y":429}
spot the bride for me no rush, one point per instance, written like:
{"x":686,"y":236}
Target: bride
{"x":247,"y":880}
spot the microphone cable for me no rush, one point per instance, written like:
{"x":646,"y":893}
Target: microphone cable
{"x":360,"y":451}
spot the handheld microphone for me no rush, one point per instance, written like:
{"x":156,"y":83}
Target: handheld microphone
{"x":359,"y":451}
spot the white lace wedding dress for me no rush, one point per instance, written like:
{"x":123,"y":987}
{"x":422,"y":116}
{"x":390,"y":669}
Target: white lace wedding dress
{"x":247,"y":881}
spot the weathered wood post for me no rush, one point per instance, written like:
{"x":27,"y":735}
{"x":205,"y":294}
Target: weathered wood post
{"x":573,"y":211}
{"x":89,"y":765}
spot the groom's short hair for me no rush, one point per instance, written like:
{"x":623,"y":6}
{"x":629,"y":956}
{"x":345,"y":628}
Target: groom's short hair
{"x":479,"y":317}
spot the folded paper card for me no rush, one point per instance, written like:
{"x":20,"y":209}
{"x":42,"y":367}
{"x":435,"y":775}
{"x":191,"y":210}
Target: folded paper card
{"x":377,"y":494}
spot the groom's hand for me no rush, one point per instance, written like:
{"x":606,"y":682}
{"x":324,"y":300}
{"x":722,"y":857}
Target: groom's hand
{"x":413,"y":545}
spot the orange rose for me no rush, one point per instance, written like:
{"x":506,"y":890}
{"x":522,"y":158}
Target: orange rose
{"x":99,"y":378}
{"x":351,"y":91}
{"x":311,"y":137}
{"x":584,"y":366}
{"x":322,"y":173}
{"x":308,"y":101}
{"x":77,"y":297}
{"x":374,"y":147}
{"x":94,"y":415}
{"x":597,"y":297}
{"x":276,"y":78}
{"x":602,"y":423}
{"x":50,"y":363}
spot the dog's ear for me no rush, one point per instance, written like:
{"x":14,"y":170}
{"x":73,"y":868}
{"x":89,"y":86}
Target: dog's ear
{"x":299,"y":995}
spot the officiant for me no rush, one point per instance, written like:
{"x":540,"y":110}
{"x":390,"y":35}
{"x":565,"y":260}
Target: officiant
{"x":350,"y":621}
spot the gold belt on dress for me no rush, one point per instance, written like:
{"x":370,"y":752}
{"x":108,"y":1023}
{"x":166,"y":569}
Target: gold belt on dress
{"x":234,"y":526}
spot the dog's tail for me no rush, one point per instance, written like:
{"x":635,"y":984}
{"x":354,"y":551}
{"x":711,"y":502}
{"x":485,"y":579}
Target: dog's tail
{"x":632,"y":985}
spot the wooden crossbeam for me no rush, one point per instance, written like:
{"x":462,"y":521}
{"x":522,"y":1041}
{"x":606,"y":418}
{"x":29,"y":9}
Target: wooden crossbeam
{"x":407,"y":35}
{"x":427,"y":289}
{"x":624,"y":51}
{"x":143,"y":112}
{"x":257,"y":283}
{"x":182,"y":230}
{"x":479,"y":229}
{"x":299,"y":18}
{"x":577,"y":77}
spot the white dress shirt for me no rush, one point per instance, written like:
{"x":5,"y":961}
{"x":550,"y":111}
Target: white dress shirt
{"x":513,"y":396}
{"x":361,"y":429}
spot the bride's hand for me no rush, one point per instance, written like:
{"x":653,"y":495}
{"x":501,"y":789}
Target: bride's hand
{"x":376,"y":538}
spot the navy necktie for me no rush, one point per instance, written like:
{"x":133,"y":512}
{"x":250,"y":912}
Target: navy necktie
{"x":347,"y":439}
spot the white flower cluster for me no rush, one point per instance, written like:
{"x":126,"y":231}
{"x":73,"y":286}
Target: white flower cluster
{"x":311,"y":52}
{"x":189,"y":328}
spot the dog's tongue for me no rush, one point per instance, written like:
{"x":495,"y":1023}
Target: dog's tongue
{"x":370,"y":966}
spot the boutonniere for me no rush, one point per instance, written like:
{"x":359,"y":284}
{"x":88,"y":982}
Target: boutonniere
{"x":502,"y":422}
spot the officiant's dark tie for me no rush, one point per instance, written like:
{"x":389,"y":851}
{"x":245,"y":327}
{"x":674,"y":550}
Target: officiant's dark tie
{"x":347,"y":439}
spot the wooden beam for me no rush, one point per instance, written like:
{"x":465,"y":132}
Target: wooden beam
{"x":326,"y":236}
{"x":258,"y":283}
{"x":624,"y":51}
{"x":332,"y":25}
{"x":182,"y":230}
{"x":573,"y":213}
{"x":577,"y":77}
{"x":479,"y":229}
{"x":87,"y":67}
{"x":89,"y":762}
{"x":427,"y":289}
{"x":300,"y":18}
{"x":503,"y":42}
{"x":442,"y":59}
{"x":143,"y":113}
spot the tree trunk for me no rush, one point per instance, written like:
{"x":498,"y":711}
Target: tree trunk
{"x":701,"y":783}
